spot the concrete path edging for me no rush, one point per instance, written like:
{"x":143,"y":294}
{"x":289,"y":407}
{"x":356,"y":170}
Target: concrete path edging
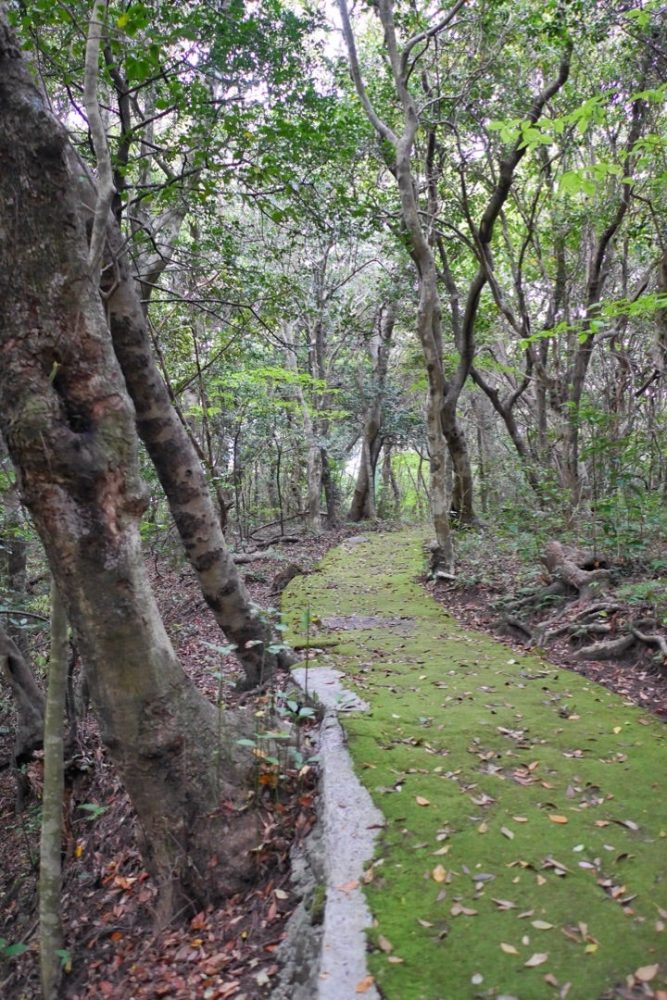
{"x":348,"y":826}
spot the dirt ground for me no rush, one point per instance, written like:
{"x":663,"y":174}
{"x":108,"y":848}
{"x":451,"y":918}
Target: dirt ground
{"x":108,"y":898}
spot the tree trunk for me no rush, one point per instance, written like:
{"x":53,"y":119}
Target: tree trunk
{"x":69,"y":428}
{"x":331,"y":492}
{"x":313,"y":451}
{"x":363,"y":502}
{"x":50,"y":872}
{"x":28,"y":699}
{"x":182,"y":478}
{"x":462,"y":495}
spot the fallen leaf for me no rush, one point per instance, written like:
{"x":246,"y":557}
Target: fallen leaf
{"x":509,"y":949}
{"x":424,"y":923}
{"x":387,"y":946}
{"x":395,"y":960}
{"x":591,"y":948}
{"x":558,"y":819}
{"x":364,"y":984}
{"x":421,"y":801}
{"x":541,"y":925}
{"x":482,"y":828}
{"x":458,"y":909}
{"x":439,"y":874}
{"x":617,"y":729}
{"x":507,"y":833}
{"x":646,"y":973}
{"x":504,"y":904}
{"x":628,"y":823}
{"x":539,"y":958}
{"x":520,"y":819}
{"x":349,"y":886}
{"x":280,"y":894}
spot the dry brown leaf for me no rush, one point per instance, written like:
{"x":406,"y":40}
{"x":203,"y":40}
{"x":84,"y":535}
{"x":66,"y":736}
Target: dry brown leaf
{"x":539,"y":958}
{"x":558,"y":819}
{"x":646,"y":973}
{"x":364,"y":984}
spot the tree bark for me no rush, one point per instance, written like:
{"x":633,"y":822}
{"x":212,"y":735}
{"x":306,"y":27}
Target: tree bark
{"x":182,"y":478}
{"x":50,"y":872}
{"x":69,"y":428}
{"x":28,"y":698}
{"x":363,"y":502}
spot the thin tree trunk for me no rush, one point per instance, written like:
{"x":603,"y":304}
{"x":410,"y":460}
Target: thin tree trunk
{"x":50,"y":874}
{"x":363,"y":505}
{"x":182,"y":478}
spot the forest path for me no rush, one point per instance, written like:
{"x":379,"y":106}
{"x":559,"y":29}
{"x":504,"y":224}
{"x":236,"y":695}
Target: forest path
{"x":524,"y":851}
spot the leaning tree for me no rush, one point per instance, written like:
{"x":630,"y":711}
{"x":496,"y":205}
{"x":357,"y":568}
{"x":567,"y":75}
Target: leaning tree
{"x":69,"y":426}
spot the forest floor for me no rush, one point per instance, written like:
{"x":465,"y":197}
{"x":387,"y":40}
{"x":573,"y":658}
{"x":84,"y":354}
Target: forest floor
{"x":113,"y":954}
{"x":230,"y":951}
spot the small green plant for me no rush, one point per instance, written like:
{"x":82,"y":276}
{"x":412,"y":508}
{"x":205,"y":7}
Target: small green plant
{"x":65,"y":957}
{"x":93,"y":810}
{"x":8,"y":950}
{"x":651,"y":593}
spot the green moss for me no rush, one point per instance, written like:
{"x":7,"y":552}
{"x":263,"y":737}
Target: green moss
{"x":503,"y":747}
{"x":317,"y":903}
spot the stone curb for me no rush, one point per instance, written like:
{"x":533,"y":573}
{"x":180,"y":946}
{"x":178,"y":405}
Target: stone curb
{"x":343,"y":844}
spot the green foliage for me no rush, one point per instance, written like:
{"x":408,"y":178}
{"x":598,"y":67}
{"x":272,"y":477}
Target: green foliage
{"x":8,"y":950}
{"x":93,"y":810}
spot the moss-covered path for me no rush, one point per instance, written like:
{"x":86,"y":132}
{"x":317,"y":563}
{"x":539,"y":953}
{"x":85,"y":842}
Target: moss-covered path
{"x":525,"y":847}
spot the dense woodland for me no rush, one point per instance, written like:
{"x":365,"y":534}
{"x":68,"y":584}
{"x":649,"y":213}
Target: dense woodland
{"x":268,"y":269}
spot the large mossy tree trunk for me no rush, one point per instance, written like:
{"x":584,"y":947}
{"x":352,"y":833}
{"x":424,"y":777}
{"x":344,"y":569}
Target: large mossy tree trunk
{"x":69,"y":428}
